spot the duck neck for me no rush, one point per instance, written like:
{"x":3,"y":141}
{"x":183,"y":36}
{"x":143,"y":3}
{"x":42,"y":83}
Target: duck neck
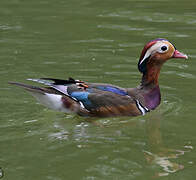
{"x":150,"y":78}
{"x":149,"y":84}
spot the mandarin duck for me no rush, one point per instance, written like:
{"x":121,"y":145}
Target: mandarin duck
{"x":107,"y":100}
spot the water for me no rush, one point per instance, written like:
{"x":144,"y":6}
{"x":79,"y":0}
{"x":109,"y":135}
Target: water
{"x":96,"y":41}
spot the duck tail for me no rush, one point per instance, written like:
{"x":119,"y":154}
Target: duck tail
{"x":30,"y":88}
{"x":53,"y":99}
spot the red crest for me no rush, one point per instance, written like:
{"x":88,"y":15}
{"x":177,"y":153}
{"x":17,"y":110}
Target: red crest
{"x":146,"y":47}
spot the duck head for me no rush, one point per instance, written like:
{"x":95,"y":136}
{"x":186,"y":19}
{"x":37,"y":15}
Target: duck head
{"x":154,"y":54}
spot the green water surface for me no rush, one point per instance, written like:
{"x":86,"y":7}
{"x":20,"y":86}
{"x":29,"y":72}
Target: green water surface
{"x":96,"y":41}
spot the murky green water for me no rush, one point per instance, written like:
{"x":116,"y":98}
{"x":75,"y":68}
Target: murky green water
{"x":96,"y":41}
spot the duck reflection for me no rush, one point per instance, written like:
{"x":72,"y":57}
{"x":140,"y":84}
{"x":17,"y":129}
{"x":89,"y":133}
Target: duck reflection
{"x":158,"y":153}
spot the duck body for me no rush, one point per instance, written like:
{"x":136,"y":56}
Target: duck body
{"x":107,"y":100}
{"x":85,"y":99}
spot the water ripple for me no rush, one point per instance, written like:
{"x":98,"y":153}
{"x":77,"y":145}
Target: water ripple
{"x":182,"y":74}
{"x":120,"y":27}
{"x":173,"y":106}
{"x":92,"y":40}
{"x":166,"y":34}
{"x":9,"y":27}
{"x":187,"y":75}
{"x":121,"y":14}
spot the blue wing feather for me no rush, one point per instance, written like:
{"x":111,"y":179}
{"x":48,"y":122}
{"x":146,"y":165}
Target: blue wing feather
{"x":113,"y":89}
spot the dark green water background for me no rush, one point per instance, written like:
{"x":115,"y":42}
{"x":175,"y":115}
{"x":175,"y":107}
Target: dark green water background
{"x":96,"y":41}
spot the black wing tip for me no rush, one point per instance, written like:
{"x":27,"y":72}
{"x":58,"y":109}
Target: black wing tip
{"x":51,"y":79}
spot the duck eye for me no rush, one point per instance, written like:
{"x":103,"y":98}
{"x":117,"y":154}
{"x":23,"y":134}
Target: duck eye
{"x":164,"y":48}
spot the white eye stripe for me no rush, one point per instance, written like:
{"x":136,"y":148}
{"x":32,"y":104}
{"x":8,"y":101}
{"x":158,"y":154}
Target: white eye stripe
{"x":155,"y":48}
{"x":148,"y":53}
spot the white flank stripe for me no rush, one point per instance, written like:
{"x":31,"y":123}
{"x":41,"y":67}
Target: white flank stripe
{"x":142,"y":109}
{"x":81,"y":104}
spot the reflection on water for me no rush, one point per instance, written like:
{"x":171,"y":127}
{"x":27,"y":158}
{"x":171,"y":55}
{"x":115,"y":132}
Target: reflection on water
{"x":158,"y":153}
{"x":165,"y":162}
{"x":1,"y":173}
